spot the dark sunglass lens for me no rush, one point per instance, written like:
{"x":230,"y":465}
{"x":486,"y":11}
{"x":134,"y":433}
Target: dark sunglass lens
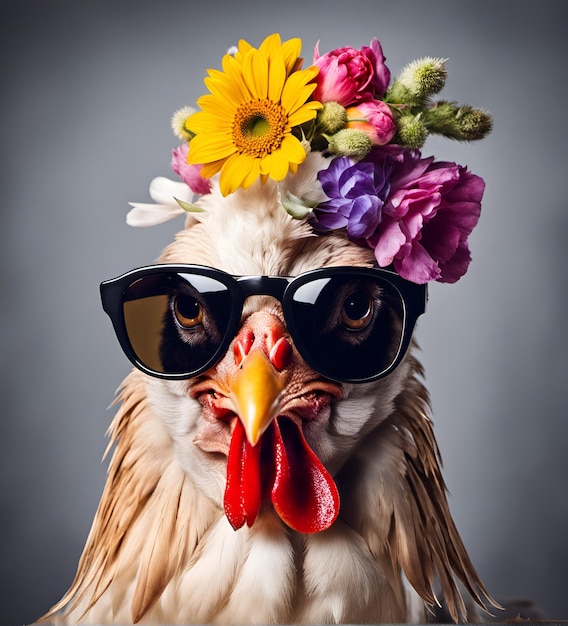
{"x":350,"y":327}
{"x":176,"y":322}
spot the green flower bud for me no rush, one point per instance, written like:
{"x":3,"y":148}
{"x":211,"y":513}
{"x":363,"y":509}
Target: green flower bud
{"x":400,"y":94}
{"x":463,"y":123}
{"x":350,"y":142}
{"x":410,"y":131}
{"x":418,"y":81}
{"x":331,"y":118}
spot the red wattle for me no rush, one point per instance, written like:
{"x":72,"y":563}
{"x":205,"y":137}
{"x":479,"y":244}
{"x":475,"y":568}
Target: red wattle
{"x":251,"y":481}
{"x":243,"y":488}
{"x":304,"y":494}
{"x":302,"y":491}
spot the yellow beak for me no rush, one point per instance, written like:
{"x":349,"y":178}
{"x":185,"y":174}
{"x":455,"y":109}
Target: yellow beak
{"x":256,"y":391}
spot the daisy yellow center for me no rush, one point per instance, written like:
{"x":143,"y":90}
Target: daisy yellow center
{"x":259,"y":127}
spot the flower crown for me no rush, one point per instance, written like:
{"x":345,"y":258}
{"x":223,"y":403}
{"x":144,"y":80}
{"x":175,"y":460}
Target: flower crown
{"x":264,"y":114}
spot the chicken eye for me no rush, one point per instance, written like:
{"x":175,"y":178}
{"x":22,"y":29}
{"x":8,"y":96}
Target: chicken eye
{"x":357,"y":311}
{"x":188,"y":312}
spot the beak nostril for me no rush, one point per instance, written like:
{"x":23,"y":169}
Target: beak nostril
{"x":272,"y":336}
{"x":280,"y":354}
{"x":239,"y":352}
{"x":243,"y":344}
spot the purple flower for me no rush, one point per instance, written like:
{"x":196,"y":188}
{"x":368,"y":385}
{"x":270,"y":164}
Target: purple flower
{"x":415,"y":213}
{"x":190,"y":174}
{"x":428,"y":216}
{"x":356,"y":193}
{"x":348,"y":76}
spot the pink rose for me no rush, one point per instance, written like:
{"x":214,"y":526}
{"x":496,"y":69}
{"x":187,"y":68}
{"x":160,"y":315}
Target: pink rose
{"x":427,"y":218}
{"x":190,"y":174}
{"x":349,"y":76}
{"x":374,"y":118}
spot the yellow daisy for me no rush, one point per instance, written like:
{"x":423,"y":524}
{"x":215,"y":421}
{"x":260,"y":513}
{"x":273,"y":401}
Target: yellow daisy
{"x":244,"y":128}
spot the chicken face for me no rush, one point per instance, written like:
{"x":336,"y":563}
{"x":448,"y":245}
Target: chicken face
{"x":353,"y":324}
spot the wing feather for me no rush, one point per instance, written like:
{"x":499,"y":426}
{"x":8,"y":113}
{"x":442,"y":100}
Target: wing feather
{"x":136,"y":533}
{"x":427,"y":529}
{"x":394,"y":494}
{"x":155,"y":566}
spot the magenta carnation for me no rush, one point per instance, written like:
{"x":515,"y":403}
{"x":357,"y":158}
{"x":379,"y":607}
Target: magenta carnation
{"x":427,"y":218}
{"x":190,"y":174}
{"x":415,"y":213}
{"x":348,"y":76}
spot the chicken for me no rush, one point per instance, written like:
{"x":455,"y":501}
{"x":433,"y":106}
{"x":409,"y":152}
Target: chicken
{"x":162,"y":548}
{"x":273,"y":456}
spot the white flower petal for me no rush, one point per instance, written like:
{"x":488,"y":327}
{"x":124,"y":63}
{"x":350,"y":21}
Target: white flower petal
{"x":152,"y":214}
{"x":164,"y":191}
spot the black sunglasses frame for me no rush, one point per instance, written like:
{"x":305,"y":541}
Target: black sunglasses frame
{"x":413,"y":296}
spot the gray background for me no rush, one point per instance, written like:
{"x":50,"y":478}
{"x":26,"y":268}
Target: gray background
{"x":87,"y":92}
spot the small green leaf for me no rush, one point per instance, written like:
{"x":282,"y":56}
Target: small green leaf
{"x":188,"y":207}
{"x":298,"y":208}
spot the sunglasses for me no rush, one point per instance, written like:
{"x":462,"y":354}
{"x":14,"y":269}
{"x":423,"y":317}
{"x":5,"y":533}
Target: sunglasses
{"x":350,"y":324}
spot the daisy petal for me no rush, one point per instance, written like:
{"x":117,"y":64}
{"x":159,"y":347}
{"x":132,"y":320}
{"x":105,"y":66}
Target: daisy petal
{"x":276,"y":77}
{"x":234,"y":171}
{"x":275,"y":164}
{"x":293,"y":149}
{"x":227,"y":94}
{"x":210,"y":147}
{"x":304,"y":114}
{"x":206,"y":122}
{"x":243,"y":48}
{"x":291,"y":50}
{"x":210,"y":169}
{"x":255,"y":74}
{"x":270,"y":45}
{"x":297,"y":90}
{"x":253,"y":174}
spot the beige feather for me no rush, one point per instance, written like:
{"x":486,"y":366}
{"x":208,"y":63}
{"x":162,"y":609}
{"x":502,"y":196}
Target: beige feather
{"x":422,"y":538}
{"x":144,"y":490}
